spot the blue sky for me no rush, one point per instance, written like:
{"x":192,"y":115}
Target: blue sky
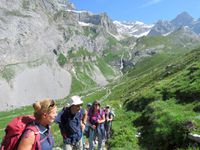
{"x":147,"y":11}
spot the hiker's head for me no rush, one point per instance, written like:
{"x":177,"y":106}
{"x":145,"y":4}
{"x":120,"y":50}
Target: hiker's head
{"x":45,"y":110}
{"x":89,"y":105}
{"x":75,"y":103}
{"x":96,"y":105}
{"x":107,"y":106}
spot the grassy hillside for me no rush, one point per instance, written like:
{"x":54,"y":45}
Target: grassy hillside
{"x":164,"y":101}
{"x":84,"y":67}
{"x":173,"y":42}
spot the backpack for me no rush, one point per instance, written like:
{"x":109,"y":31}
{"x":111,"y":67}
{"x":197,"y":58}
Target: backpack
{"x":15,"y":129}
{"x":110,"y":114}
{"x":58,"y":117}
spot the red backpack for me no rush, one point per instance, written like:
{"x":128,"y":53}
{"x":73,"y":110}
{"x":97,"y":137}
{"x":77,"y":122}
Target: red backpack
{"x":15,"y":129}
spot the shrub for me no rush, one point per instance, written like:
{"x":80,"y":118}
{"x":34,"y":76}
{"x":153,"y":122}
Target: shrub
{"x":197,"y":108}
{"x":61,"y":59}
{"x":164,"y":126}
{"x":8,"y":73}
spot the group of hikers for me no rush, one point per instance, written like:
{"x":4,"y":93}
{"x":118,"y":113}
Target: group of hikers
{"x":80,"y":128}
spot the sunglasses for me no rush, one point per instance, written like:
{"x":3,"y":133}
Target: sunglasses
{"x":52,"y":104}
{"x":97,"y":104}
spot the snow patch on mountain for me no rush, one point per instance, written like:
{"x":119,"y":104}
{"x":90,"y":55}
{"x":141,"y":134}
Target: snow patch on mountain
{"x":136,"y":29}
{"x":84,"y":24}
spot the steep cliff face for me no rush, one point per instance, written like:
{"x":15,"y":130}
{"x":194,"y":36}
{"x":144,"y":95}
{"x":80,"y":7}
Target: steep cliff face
{"x":26,"y":32}
{"x":32,"y":29}
{"x":32,"y":35}
{"x":31,"y":84}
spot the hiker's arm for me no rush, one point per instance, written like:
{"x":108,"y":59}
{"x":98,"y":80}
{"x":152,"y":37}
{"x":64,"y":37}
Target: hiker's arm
{"x":102,"y":119}
{"x":27,"y":141}
{"x":83,"y":121}
{"x":111,"y":118}
{"x":89,"y":123}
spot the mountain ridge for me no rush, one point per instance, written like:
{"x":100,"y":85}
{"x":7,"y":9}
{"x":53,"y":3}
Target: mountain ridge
{"x":161,"y":27}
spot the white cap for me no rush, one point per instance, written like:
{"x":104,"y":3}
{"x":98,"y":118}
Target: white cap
{"x":107,"y":106}
{"x":75,"y":100}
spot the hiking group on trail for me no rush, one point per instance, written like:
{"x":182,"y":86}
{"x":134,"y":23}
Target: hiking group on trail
{"x":80,"y":128}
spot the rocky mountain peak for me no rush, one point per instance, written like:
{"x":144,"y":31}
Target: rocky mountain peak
{"x":161,"y":27}
{"x":66,"y":4}
{"x":183,"y":19}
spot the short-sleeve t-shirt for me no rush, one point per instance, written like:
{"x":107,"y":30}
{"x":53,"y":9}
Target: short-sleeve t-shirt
{"x":46,"y":138}
{"x":93,"y":117}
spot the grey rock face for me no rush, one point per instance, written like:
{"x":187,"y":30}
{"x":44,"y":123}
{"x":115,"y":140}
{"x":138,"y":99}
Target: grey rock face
{"x":95,"y":20}
{"x":160,"y":28}
{"x":33,"y":84}
{"x":196,"y":27}
{"x":183,"y":19}
{"x":184,"y":37}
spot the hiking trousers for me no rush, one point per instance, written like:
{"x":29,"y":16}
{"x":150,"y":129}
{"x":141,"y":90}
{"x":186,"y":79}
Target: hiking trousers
{"x":92,"y":136}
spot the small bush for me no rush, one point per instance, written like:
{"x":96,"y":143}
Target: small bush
{"x":8,"y":74}
{"x":25,"y":4}
{"x":197,"y":108}
{"x":61,"y":59}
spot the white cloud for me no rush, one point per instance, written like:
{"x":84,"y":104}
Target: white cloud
{"x":151,"y":2}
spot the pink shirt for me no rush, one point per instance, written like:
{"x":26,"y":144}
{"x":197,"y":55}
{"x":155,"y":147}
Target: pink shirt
{"x":96,"y":116}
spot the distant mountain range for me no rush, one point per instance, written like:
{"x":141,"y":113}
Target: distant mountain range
{"x":161,"y":27}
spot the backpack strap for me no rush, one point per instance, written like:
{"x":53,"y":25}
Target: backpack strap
{"x":46,"y":136}
{"x":62,"y":123}
{"x":35,"y":129}
{"x":101,"y":113}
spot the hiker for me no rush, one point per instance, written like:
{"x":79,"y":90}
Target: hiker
{"x":71,"y":124}
{"x":83,"y":125}
{"x":108,"y":121}
{"x":45,"y":112}
{"x":96,"y":119}
{"x":89,"y":105}
{"x":86,"y":131}
{"x":83,"y":119}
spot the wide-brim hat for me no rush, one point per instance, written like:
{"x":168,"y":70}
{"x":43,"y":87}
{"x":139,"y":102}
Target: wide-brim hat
{"x":75,"y":100}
